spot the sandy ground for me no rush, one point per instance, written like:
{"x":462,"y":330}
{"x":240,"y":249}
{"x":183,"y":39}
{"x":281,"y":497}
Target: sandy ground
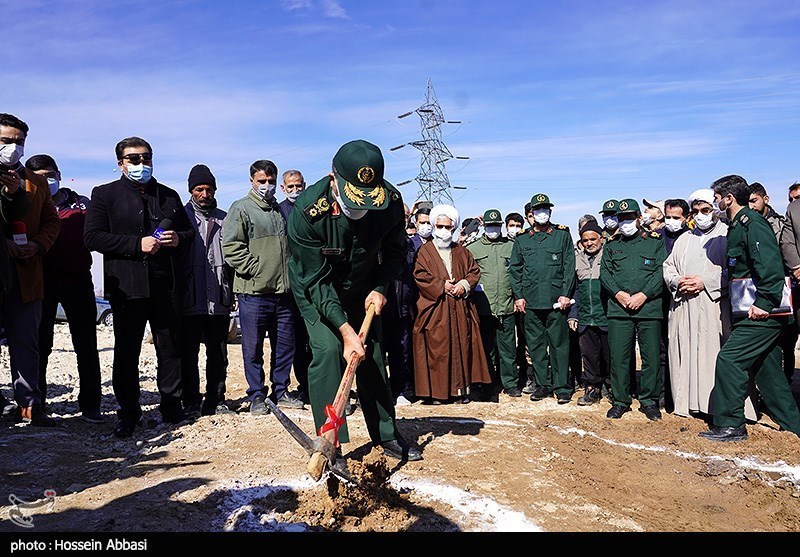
{"x":513,"y":466}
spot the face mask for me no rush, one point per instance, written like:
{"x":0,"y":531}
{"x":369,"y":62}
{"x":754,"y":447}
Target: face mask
{"x":513,"y":231}
{"x":541,"y":216}
{"x":628,"y":227}
{"x":11,"y":153}
{"x":139,"y":173}
{"x":492,"y":232}
{"x":673,"y":225}
{"x":293,"y":195}
{"x":266,"y":191}
{"x":425,"y":230}
{"x":646,"y":219}
{"x":353,"y":214}
{"x":704,"y":222}
{"x":54,"y":185}
{"x":442,"y":237}
{"x":611,"y":223}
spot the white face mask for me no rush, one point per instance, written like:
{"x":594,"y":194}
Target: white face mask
{"x":628,"y":227}
{"x":53,"y":184}
{"x":425,"y":230}
{"x":672,"y":224}
{"x":10,"y":154}
{"x":353,"y":214}
{"x":139,"y":173}
{"x":611,"y":223}
{"x":646,"y":219}
{"x":513,"y":231}
{"x":541,"y":216}
{"x":704,"y":222}
{"x":442,"y":237}
{"x":293,"y":195}
{"x":492,"y":232}
{"x":266,"y":191}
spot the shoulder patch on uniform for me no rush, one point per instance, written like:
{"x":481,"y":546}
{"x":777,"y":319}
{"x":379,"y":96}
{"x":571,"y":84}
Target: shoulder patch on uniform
{"x":394,"y":196}
{"x":745,"y":219}
{"x":562,"y":227}
{"x":655,"y":235}
{"x":317,"y":209}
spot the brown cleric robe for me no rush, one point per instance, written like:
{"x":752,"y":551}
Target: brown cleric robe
{"x":448,"y":352}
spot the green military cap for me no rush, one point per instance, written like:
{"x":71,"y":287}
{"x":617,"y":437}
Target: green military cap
{"x":610,"y":207}
{"x":540,"y":200}
{"x":628,"y":206}
{"x":359,"y":168}
{"x":492,"y":216}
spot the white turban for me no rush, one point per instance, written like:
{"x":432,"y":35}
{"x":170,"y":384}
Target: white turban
{"x":704,"y":194}
{"x":444,"y":211}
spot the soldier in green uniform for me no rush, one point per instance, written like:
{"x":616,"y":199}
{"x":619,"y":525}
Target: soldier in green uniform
{"x":754,"y":341}
{"x":610,"y":222}
{"x":495,"y":302}
{"x":348,"y":241}
{"x":631,"y":274}
{"x":542,"y":273}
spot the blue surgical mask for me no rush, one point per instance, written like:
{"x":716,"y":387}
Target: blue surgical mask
{"x":139,"y":173}
{"x":53,"y":184}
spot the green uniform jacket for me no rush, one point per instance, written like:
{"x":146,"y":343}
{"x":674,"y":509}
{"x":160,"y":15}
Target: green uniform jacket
{"x":542,"y":266}
{"x":591,"y":302}
{"x":753,"y":253}
{"x":493,"y":294}
{"x":254,"y":243}
{"x":634,"y":264}
{"x":336,"y":262}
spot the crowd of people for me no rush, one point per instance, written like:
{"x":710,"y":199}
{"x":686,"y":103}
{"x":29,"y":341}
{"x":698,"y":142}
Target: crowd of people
{"x":683,"y":304}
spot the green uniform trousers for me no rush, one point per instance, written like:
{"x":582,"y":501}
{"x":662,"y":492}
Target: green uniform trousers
{"x":757,"y":347}
{"x":327,"y":367}
{"x":547,"y":334}
{"x":622,"y":334}
{"x":498,"y":333}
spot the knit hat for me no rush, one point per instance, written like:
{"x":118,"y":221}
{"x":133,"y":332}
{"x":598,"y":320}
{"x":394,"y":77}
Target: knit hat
{"x":591,"y":226}
{"x":201,"y":175}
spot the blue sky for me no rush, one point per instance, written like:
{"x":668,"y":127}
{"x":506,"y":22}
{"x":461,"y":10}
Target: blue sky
{"x":582,"y":100}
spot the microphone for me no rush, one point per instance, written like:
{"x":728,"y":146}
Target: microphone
{"x":19,"y":233}
{"x":165,"y":224}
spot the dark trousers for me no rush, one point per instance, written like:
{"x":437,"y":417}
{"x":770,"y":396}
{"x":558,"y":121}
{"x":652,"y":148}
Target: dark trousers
{"x":78,"y":301}
{"x":267,"y":315}
{"x":622,"y":334}
{"x":162,"y":311}
{"x":372,"y":383}
{"x":575,"y":359}
{"x":596,"y":356}
{"x":498,"y":336}
{"x":788,"y":342}
{"x":302,"y":351}
{"x":525,"y":370}
{"x":397,"y":342}
{"x":547,"y":333}
{"x":755,"y":346}
{"x":21,"y":324}
{"x":212,"y":331}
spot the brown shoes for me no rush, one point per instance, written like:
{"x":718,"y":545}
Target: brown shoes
{"x":35,"y":416}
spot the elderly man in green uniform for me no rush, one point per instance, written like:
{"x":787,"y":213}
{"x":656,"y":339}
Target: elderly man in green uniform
{"x":631,"y":274}
{"x":542,"y":273}
{"x":754,"y":259}
{"x":495,"y":302}
{"x":348,"y":241}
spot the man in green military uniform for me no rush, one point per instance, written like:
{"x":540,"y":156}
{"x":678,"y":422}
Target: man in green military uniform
{"x":495,"y":302}
{"x":754,"y":341}
{"x":610,"y":222}
{"x":631,"y":274}
{"x":348,"y":241}
{"x":542,"y":273}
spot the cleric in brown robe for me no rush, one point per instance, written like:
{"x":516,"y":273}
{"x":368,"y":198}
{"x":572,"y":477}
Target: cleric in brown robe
{"x":448,"y":353}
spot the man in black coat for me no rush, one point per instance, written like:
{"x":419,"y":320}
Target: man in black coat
{"x":142,"y":231}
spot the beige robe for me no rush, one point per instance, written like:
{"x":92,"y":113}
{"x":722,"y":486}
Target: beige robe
{"x":698,"y":324}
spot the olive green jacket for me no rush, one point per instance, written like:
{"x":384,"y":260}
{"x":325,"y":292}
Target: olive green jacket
{"x":542,"y":266}
{"x":254,"y":243}
{"x":493,"y":295}
{"x":634,"y":264}
{"x":336,"y":261}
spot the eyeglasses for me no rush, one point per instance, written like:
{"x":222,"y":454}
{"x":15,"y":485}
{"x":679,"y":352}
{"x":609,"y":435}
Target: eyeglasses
{"x":137,"y":158}
{"x":704,"y":210}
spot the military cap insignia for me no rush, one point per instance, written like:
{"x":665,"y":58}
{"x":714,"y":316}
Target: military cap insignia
{"x":354,"y":194}
{"x":378,"y":195}
{"x":366,"y":174}
{"x":610,"y":205}
{"x":494,"y":215}
{"x":540,"y":197}
{"x":623,"y":205}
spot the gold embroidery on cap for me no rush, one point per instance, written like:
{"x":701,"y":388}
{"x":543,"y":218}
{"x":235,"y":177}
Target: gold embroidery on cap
{"x":378,"y":196}
{"x":353,"y":193}
{"x":540,"y":197}
{"x":610,"y":204}
{"x":623,"y":205}
{"x":365,"y":174}
{"x":493,"y":215}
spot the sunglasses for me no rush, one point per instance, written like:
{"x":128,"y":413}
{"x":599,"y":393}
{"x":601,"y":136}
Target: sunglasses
{"x":137,"y":158}
{"x":704,"y":210}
